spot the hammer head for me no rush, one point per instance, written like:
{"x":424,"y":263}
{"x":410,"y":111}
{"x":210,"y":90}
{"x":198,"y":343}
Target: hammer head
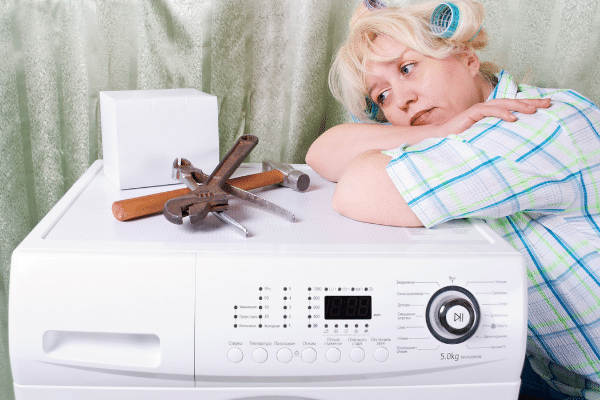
{"x":292,"y":178}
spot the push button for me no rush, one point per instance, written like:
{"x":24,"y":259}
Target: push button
{"x":381,"y":354}
{"x":357,"y":355}
{"x":309,"y":355}
{"x":456,"y":316}
{"x":235,"y":355}
{"x":284,"y":355}
{"x":260,"y":355}
{"x":333,"y":355}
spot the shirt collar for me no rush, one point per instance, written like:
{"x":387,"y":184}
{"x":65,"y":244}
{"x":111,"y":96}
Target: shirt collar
{"x":506,"y":88}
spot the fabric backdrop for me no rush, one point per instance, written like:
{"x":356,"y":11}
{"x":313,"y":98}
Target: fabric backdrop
{"x":266,"y":61}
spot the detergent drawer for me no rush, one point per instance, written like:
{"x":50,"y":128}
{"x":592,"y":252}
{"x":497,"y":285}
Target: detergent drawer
{"x":102,"y":318}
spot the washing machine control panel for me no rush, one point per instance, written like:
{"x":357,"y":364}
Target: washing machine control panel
{"x":352,"y":315}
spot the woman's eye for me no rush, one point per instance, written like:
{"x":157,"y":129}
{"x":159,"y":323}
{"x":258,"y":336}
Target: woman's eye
{"x":405,"y":69}
{"x":382,"y":97}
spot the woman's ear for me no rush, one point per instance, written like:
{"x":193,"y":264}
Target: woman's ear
{"x":471,"y":61}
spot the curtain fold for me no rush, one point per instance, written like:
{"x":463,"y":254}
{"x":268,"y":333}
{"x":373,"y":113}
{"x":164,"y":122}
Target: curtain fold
{"x":267,"y":63}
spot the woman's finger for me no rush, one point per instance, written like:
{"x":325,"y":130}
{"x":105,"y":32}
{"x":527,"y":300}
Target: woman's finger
{"x":521,"y":105}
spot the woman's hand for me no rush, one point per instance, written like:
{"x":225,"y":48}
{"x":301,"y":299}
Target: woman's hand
{"x":499,"y":108}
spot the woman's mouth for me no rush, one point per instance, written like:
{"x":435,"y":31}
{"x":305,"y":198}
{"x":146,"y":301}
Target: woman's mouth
{"x":421,"y":117}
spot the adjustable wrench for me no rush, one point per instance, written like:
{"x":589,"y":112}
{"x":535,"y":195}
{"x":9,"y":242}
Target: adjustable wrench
{"x":209,"y":195}
{"x":201,"y":201}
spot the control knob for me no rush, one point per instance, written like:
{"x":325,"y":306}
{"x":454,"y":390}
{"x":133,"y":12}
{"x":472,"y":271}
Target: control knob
{"x":452,"y":315}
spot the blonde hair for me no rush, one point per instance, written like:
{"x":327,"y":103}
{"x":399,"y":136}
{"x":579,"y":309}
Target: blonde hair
{"x":409,"y":26}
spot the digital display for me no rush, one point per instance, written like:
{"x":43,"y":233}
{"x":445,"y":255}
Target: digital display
{"x":347,"y":307}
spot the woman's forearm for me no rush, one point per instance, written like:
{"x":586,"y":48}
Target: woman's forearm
{"x":333,"y":151}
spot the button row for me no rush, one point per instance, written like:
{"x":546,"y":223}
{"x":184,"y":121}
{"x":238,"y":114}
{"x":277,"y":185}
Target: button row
{"x":309,"y":355}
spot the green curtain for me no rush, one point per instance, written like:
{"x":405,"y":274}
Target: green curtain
{"x":266,"y":61}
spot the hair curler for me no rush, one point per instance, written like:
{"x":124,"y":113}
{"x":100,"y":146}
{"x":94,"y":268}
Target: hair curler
{"x":374,"y":4}
{"x":444,"y":20}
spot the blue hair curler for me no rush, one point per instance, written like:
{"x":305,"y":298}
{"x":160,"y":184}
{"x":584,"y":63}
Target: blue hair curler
{"x":374,"y":4}
{"x":373,"y":111}
{"x":444,"y":20}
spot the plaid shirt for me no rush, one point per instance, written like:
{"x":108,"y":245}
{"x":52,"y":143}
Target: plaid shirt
{"x":536,"y":182}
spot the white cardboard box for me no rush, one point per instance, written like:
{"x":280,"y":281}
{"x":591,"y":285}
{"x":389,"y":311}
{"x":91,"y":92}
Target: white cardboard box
{"x":144,"y":131}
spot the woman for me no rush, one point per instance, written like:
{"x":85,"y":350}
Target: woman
{"x":445,"y":144}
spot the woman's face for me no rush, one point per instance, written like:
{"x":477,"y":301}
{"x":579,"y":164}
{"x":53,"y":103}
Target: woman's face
{"x":417,"y":90}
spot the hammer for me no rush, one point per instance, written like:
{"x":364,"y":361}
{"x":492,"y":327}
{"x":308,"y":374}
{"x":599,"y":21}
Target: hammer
{"x":273,"y":173}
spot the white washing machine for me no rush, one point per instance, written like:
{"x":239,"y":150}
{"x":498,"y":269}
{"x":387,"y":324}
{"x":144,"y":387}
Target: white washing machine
{"x":322,"y":308}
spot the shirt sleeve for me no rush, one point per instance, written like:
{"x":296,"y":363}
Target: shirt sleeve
{"x":451,"y":178}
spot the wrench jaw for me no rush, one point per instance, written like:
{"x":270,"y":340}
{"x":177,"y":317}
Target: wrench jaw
{"x":173,"y":212}
{"x":195,"y":205}
{"x":175,"y":170}
{"x":184,"y":173}
{"x":199,"y":211}
{"x":179,"y":168}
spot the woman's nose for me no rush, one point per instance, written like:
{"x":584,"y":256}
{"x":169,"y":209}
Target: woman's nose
{"x":406,"y":99}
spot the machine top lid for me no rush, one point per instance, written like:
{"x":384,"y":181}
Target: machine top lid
{"x":83,"y":220}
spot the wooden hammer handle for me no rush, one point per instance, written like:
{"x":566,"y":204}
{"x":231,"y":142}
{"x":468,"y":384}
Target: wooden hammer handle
{"x":137,"y":207}
{"x":258,"y":180}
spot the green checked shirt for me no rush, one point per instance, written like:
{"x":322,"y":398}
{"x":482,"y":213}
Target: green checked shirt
{"x":536,"y":182}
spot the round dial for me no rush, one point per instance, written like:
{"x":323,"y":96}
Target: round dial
{"x":452,"y":315}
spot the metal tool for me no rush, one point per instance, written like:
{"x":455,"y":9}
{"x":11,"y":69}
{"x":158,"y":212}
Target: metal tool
{"x":227,"y":187}
{"x":273,"y":173}
{"x":206,"y":196}
{"x":209,"y":193}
